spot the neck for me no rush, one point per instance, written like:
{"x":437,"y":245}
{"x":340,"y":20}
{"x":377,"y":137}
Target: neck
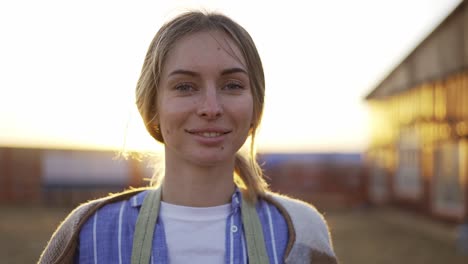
{"x":198,"y":186}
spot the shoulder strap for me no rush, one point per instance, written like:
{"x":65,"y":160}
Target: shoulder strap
{"x":146,"y":223}
{"x":253,"y":234}
{"x":144,"y":229}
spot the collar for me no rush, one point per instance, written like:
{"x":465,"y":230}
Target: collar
{"x":137,"y":200}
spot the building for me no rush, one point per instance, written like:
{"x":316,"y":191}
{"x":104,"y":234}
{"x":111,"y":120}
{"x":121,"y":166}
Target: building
{"x":418,"y":153}
{"x":56,"y":177}
{"x":327,"y":180}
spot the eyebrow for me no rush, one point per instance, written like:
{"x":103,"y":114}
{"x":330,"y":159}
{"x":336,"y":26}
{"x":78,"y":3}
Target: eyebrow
{"x":195,"y":74}
{"x":183,"y":72}
{"x":233,"y":70}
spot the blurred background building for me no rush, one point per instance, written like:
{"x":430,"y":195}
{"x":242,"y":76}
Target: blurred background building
{"x":329,"y":181}
{"x":54,"y":177}
{"x":418,"y":155}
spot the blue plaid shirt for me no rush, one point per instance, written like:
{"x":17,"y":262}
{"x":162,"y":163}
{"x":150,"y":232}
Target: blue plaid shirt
{"x":107,"y":236}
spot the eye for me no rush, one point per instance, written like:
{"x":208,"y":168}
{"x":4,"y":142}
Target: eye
{"x":185,"y":87}
{"x":232,"y":85}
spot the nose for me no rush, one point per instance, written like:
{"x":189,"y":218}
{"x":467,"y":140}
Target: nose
{"x":210,"y":106}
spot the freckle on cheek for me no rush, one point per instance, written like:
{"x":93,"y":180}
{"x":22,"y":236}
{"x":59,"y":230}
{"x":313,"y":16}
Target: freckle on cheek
{"x":168,"y":131}
{"x":222,"y":147}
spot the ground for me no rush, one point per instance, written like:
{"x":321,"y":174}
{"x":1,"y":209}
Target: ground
{"x":392,"y":236}
{"x":359,"y":236}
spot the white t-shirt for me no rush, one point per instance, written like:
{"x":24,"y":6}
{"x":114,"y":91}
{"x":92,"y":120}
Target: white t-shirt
{"x":195,"y":234}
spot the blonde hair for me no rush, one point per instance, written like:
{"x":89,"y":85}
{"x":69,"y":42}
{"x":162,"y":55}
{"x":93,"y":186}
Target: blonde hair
{"x":248,"y":174}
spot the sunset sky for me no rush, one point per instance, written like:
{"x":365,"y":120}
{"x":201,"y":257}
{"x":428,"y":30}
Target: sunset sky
{"x":68,"y":69}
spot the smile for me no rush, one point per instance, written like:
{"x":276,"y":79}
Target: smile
{"x":209,"y":134}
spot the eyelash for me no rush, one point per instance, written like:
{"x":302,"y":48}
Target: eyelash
{"x":233,"y":83}
{"x":189,"y":87}
{"x":185,"y":87}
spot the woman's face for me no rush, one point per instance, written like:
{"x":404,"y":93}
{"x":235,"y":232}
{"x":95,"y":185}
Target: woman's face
{"x":205,"y":103}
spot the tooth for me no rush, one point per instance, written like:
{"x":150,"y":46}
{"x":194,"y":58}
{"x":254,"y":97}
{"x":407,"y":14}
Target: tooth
{"x":210,"y":134}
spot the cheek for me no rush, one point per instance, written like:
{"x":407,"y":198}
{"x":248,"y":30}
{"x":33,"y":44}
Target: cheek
{"x":173,"y":114}
{"x":244,"y":114}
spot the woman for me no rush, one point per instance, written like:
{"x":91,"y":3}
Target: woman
{"x":201,"y":94}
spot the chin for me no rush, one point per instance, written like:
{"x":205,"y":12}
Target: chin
{"x":213,"y":159}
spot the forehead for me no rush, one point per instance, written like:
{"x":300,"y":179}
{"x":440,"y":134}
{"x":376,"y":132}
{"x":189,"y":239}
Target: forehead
{"x":207,"y":50}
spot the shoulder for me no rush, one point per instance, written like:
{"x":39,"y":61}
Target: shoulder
{"x":304,"y":216}
{"x":63,"y":242}
{"x":109,"y":204}
{"x":300,"y":211}
{"x":310,"y":229}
